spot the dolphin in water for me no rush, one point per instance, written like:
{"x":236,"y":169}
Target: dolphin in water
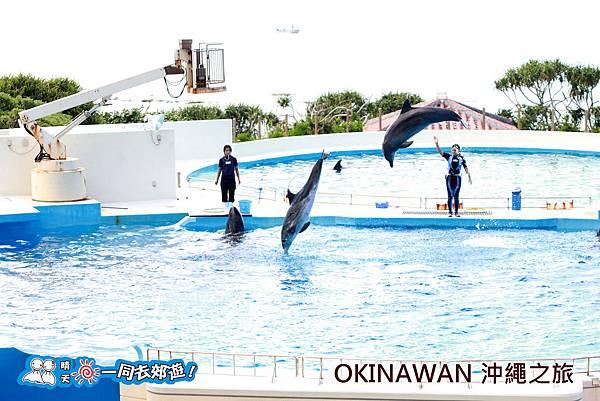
{"x":410,"y":121}
{"x":338,"y":166}
{"x":235,"y":222}
{"x":297,"y":218}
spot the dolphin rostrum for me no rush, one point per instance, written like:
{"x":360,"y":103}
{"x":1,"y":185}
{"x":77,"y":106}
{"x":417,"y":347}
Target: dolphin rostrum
{"x":297,"y":218}
{"x":235,"y":222}
{"x":410,"y":121}
{"x":338,"y":166}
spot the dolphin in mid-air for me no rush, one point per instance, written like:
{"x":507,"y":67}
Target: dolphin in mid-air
{"x":338,"y":166}
{"x":235,"y":222}
{"x":297,"y":218}
{"x":410,"y":121}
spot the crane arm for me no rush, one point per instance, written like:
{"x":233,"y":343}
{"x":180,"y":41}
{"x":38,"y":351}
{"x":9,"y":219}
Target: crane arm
{"x":50,"y":144}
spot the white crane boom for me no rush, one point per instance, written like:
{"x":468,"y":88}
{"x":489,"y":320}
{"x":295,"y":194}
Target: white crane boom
{"x":51,"y":146}
{"x":77,"y":99}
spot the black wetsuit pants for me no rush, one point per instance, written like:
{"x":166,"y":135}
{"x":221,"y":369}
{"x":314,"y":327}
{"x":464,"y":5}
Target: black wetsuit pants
{"x":453,"y":187}
{"x":227,"y":189}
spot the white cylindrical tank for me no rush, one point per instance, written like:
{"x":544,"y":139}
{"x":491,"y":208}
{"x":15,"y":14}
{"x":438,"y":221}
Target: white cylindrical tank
{"x":58,"y":181}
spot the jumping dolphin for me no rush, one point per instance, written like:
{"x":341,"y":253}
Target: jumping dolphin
{"x":338,"y":166}
{"x":297,"y":218}
{"x":410,"y":121}
{"x":235,"y":222}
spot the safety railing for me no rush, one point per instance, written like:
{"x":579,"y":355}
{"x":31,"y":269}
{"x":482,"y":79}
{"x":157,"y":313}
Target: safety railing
{"x":323,"y":367}
{"x":356,"y":199}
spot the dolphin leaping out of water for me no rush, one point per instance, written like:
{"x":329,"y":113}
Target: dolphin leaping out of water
{"x":297,"y":218}
{"x":338,"y":166}
{"x":235,"y":222}
{"x":410,"y":121}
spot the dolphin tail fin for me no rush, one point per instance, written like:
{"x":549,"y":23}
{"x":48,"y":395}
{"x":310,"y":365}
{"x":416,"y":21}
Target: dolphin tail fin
{"x":325,"y":155}
{"x":290,"y":195}
{"x":406,"y":144}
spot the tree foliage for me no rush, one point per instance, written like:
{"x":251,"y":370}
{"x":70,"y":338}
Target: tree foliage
{"x":551,"y":94}
{"x":391,"y":102}
{"x":23,"y":91}
{"x":195,"y":112}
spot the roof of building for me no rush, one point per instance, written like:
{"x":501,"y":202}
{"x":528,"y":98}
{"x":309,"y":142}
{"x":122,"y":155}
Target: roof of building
{"x":471,"y":115}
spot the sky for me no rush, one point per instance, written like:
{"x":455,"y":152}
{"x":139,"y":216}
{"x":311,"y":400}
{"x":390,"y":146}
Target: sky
{"x":459,"y":47}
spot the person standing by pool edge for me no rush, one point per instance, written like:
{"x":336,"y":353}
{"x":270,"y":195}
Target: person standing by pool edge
{"x":228,"y":165}
{"x":453,"y":178}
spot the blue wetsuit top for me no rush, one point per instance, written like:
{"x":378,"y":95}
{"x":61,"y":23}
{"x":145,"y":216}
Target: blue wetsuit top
{"x":455,"y":163}
{"x":228,"y":165}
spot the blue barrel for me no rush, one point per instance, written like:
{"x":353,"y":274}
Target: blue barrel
{"x":516,"y":199}
{"x":245,"y":206}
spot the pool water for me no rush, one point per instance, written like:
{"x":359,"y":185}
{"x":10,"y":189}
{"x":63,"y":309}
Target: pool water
{"x":422,"y":175}
{"x":426,"y":294}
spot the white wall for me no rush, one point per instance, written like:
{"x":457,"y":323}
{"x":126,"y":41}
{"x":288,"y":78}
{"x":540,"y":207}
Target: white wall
{"x":200,"y":139}
{"x":122,"y":162}
{"x":424,"y":139}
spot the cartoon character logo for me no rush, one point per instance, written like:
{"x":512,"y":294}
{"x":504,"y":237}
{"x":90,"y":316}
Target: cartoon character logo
{"x":34,"y":376}
{"x":48,"y":377}
{"x":41,"y":372}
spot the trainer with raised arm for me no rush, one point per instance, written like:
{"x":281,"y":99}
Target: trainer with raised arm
{"x":453,"y":179}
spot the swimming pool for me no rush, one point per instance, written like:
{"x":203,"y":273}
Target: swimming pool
{"x":414,"y":294}
{"x":421,"y":174}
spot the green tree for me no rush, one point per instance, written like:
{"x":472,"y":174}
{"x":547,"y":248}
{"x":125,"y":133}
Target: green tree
{"x":195,"y":112}
{"x":333,"y":111}
{"x":541,"y":84}
{"x":23,"y":91}
{"x":583,"y":81}
{"x":391,"y":102}
{"x":125,"y":116}
{"x":246,"y":117}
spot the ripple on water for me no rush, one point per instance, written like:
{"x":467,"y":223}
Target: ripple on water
{"x":367,"y":292}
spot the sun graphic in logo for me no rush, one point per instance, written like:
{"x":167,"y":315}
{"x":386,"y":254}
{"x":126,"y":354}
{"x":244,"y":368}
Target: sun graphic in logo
{"x":86,"y":372}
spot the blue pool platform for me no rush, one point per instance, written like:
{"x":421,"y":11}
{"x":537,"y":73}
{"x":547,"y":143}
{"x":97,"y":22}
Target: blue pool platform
{"x":89,"y":213}
{"x":216,"y":223}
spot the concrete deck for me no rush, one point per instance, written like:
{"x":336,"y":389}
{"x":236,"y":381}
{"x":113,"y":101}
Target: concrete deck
{"x":205,"y":209}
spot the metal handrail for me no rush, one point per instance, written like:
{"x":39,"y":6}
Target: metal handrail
{"x":299,"y":363}
{"x":274,"y":194}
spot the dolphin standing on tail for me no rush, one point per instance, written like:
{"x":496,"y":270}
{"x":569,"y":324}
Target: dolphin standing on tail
{"x":410,"y":121}
{"x":235,"y":222}
{"x":297,"y":218}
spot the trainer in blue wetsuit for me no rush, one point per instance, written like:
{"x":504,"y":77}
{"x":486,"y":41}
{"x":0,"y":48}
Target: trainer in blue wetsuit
{"x":453,"y":177}
{"x":228,"y":166}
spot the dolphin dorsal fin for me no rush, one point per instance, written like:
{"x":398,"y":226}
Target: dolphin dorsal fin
{"x":290,"y":195}
{"x":406,"y":106}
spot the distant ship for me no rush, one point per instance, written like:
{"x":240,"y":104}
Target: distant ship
{"x":285,"y":30}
